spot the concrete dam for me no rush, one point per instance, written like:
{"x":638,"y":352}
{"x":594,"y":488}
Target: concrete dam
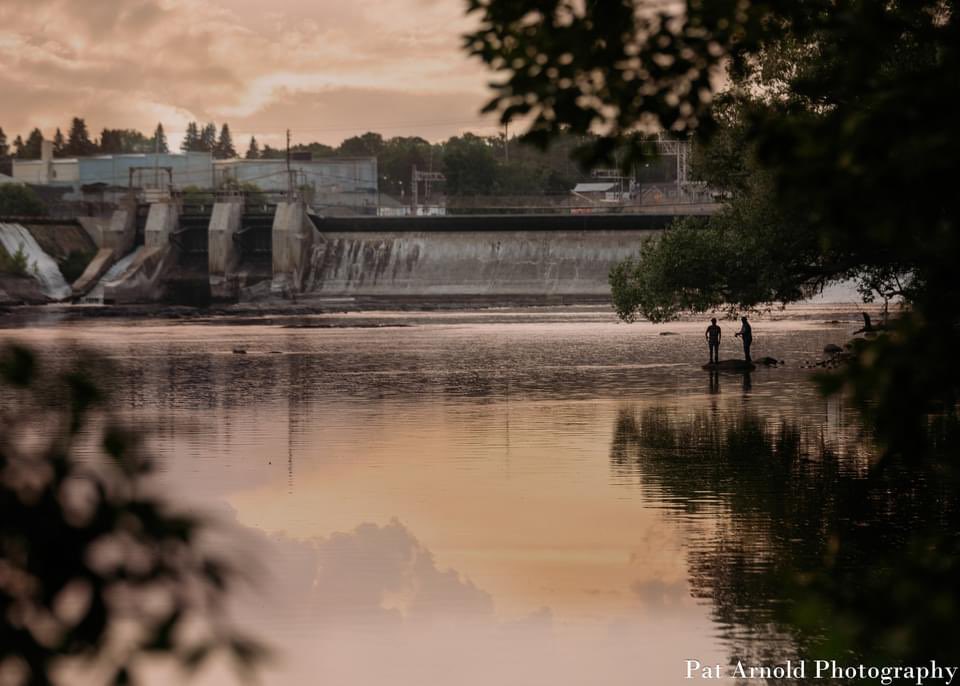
{"x":230,"y":251}
{"x":525,"y":255}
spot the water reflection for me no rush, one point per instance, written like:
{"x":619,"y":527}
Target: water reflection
{"x":807,"y":535}
{"x":444,"y":503}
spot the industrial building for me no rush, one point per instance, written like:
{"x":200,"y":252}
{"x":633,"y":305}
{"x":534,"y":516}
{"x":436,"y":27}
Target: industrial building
{"x":346,"y":182}
{"x":148,"y":169}
{"x":335,"y":182}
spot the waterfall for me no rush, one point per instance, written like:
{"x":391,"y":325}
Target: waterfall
{"x":40,"y":265}
{"x":95,"y":296}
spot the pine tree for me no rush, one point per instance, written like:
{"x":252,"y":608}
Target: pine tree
{"x":191,"y":139}
{"x":110,"y":142}
{"x":78,"y":140}
{"x":33,"y":148}
{"x":224,"y":148}
{"x":159,"y":142}
{"x":59,"y":143}
{"x":208,"y":138}
{"x":4,"y":148}
{"x":18,"y":148}
{"x":253,"y":151}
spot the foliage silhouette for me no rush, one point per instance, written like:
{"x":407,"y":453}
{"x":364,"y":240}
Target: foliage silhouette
{"x":95,"y":569}
{"x":832,"y":127}
{"x":810,"y":543}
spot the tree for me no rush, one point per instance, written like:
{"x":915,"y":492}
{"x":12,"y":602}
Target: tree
{"x":59,"y":143}
{"x":4,"y":147}
{"x":157,"y":593}
{"x":18,"y":147}
{"x":270,"y":153}
{"x":368,"y":145}
{"x":253,"y":150}
{"x":224,"y":149}
{"x":124,"y":141}
{"x":397,"y":158}
{"x":208,"y":138}
{"x":191,"y":138}
{"x":78,"y":140}
{"x":159,"y":141}
{"x":315,"y":149}
{"x":470,"y":165}
{"x":33,"y":148}
{"x":19,"y":200}
{"x":838,"y":105}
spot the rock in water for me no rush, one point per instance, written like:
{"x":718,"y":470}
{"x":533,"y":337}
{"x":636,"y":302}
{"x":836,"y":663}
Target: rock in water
{"x":832,"y":349}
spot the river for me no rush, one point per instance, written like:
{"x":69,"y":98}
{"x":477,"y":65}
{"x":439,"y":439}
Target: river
{"x":492,"y":497}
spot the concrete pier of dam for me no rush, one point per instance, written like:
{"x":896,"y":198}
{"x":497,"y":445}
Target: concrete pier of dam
{"x":228,"y":251}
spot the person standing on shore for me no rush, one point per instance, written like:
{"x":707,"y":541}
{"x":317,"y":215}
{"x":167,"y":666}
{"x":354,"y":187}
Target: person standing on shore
{"x":746,"y":335}
{"x":713,"y":341}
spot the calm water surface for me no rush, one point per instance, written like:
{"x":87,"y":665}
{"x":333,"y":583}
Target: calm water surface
{"x":529,"y":497}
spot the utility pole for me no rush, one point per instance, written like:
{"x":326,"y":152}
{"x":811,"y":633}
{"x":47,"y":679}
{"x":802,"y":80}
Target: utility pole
{"x":506,"y":142}
{"x":414,"y":189}
{"x":156,"y":159}
{"x":289,"y":173}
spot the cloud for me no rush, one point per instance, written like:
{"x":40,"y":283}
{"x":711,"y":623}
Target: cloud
{"x":374,"y":573}
{"x":124,"y":63}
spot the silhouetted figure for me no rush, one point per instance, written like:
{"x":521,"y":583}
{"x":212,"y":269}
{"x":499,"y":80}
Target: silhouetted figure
{"x":746,"y":335}
{"x":713,"y":341}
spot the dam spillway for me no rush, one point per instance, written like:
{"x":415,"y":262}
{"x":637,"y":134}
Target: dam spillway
{"x":227,"y":251}
{"x":529,"y":256}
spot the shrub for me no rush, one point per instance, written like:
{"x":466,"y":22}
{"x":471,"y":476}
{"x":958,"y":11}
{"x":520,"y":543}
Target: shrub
{"x":16,"y":264}
{"x":19,"y":200}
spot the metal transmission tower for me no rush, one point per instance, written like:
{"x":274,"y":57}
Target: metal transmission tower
{"x":416,"y":176}
{"x":681,"y":150}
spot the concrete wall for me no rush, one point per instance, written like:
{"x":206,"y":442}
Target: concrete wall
{"x":469,"y":263}
{"x":224,"y":251}
{"x":292,"y":239}
{"x":161,"y":223}
{"x":120,"y":233}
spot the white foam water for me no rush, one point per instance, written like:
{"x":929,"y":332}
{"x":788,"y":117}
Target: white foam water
{"x":40,"y":265}
{"x":95,"y":296}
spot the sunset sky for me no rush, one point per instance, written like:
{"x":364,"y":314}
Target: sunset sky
{"x":325,"y":69}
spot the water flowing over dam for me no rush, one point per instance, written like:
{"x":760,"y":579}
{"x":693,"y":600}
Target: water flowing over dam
{"x":527,"y":256}
{"x":40,"y":266}
{"x":230,"y":250}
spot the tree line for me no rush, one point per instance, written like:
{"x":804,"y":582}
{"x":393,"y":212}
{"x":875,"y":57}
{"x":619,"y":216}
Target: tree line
{"x":78,"y":142}
{"x":473,"y":164}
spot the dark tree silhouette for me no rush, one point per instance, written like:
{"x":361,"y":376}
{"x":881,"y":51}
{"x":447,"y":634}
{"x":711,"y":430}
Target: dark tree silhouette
{"x":159,"y":141}
{"x":191,"y":139}
{"x":78,"y":140}
{"x":224,"y":149}
{"x":253,"y":150}
{"x":86,"y":547}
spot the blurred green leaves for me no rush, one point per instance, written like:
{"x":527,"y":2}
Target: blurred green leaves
{"x":93,"y":566}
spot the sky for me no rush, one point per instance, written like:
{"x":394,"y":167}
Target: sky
{"x":325,"y":69}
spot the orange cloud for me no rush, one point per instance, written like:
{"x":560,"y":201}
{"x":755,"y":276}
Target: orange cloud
{"x":325,"y":69}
